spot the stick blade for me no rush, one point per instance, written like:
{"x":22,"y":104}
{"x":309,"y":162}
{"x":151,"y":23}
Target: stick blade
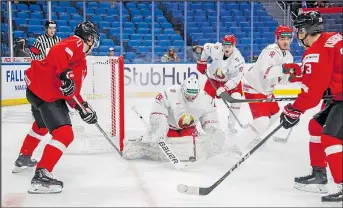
{"x":190,"y":190}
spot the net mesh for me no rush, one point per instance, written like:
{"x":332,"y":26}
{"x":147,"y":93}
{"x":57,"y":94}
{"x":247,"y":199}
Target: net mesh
{"x":103,"y":89}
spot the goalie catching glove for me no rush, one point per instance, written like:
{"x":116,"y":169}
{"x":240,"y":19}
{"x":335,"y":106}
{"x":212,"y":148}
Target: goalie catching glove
{"x":90,"y":116}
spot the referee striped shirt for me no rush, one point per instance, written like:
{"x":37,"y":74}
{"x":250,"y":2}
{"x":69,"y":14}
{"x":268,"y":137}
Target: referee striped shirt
{"x":42,"y":45}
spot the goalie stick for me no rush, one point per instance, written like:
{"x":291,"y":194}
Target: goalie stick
{"x":99,"y":127}
{"x":173,"y":159}
{"x":227,"y":105}
{"x":193,"y":190}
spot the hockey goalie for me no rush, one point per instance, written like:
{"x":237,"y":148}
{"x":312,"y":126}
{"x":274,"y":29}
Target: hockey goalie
{"x":174,"y":118}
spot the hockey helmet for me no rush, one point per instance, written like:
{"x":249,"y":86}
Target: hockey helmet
{"x":283,"y":31}
{"x":190,"y":88}
{"x":51,"y":24}
{"x":309,"y":22}
{"x":229,"y":40}
{"x":87,"y":29}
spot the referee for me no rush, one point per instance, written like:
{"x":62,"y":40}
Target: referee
{"x":43,"y":43}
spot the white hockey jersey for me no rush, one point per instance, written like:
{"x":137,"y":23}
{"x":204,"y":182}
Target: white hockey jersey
{"x":229,"y":70}
{"x":267,"y":71}
{"x":181,"y":113}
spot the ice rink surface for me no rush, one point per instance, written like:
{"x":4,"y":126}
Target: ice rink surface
{"x":265,"y":179}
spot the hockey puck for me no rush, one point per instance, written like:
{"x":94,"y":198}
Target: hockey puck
{"x":192,"y":159}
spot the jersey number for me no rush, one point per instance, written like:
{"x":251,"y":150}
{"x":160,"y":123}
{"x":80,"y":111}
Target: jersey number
{"x":308,"y":68}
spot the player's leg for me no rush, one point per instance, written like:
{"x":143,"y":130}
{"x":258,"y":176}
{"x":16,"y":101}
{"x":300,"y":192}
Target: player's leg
{"x":332,"y":143}
{"x":56,"y":118}
{"x":316,"y":180}
{"x":236,"y":93}
{"x":31,"y":141}
{"x":260,"y":123}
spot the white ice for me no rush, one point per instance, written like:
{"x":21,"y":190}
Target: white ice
{"x":265,"y":179}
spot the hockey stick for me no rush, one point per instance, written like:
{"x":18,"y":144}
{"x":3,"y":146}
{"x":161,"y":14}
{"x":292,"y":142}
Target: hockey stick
{"x":173,"y":159}
{"x":99,"y":127}
{"x":227,"y":105}
{"x":225,"y":96}
{"x":193,"y":190}
{"x":283,"y":140}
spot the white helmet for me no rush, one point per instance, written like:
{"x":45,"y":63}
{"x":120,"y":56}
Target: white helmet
{"x":190,"y":88}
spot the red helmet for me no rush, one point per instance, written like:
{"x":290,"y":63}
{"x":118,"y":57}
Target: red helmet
{"x":283,"y":31}
{"x":229,"y":40}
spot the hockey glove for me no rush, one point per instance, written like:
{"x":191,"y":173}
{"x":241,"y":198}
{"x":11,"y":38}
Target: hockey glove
{"x":292,"y":69}
{"x":68,"y":84}
{"x":289,"y":117}
{"x":202,"y":66}
{"x":90,"y":117}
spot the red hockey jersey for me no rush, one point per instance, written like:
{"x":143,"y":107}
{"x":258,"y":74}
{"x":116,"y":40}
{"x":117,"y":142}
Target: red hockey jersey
{"x":42,"y":78}
{"x":322,"y":66}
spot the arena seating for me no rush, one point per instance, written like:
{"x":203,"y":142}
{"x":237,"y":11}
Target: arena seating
{"x":235,"y":18}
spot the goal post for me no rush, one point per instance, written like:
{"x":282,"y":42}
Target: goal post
{"x":103,"y":89}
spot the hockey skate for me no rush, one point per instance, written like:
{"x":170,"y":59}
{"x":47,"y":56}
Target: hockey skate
{"x":232,"y":130}
{"x":44,"y":183}
{"x":315,"y":182}
{"x":333,"y":200}
{"x":23,"y":162}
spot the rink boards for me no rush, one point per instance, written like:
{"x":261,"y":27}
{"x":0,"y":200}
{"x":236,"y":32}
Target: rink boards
{"x":141,"y":80}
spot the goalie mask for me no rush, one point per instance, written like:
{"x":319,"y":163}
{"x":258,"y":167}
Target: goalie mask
{"x":190,"y":88}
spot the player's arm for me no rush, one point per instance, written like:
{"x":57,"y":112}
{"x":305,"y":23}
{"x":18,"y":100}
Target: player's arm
{"x":317,"y":76}
{"x":202,"y":63}
{"x":159,"y":127}
{"x":236,"y":73}
{"x":272,"y":66}
{"x":35,"y":49}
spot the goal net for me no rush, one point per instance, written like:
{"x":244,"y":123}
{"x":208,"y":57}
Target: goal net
{"x":103,"y":89}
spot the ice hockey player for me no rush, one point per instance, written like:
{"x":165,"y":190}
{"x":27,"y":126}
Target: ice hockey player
{"x":322,"y":66}
{"x":51,"y":83}
{"x":225,"y":73}
{"x":175,"y":114}
{"x":273,"y":66}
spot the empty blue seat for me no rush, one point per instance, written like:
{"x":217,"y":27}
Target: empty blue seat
{"x":130,"y":5}
{"x":20,"y":21}
{"x":138,"y":18}
{"x":64,"y":29}
{"x":196,"y":5}
{"x":34,"y":7}
{"x":34,"y":22}
{"x":58,"y":9}
{"x":18,"y":34}
{"x":235,"y":30}
{"x":112,"y":11}
{"x":207,"y":29}
{"x":141,"y":6}
{"x":161,"y":19}
{"x":130,"y":55}
{"x":62,"y":34}
{"x":261,"y":41}
{"x":35,"y":29}
{"x":266,"y":18}
{"x":175,"y":37}
{"x":264,"y":29}
{"x":143,"y":30}
{"x":36,"y":15}
{"x":164,"y":43}
{"x":116,"y":24}
{"x":92,"y":5}
{"x":110,"y":19}
{"x":199,"y":19}
{"x":165,"y":25}
{"x":240,"y":19}
{"x":100,"y":11}
{"x":147,"y":37}
{"x":70,"y":10}
{"x":89,"y":10}
{"x":22,"y":15}
{"x":73,"y":23}
{"x":65,"y":17}
{"x":245,"y":41}
{"x":208,"y":5}
{"x":178,"y":43}
{"x":107,"y":42}
{"x":134,"y":43}
{"x":163,"y":37}
{"x":136,"y":37}
{"x":61,"y":23}
{"x":22,"y":7}
{"x":142,"y":25}
{"x":113,"y":31}
{"x":135,"y":12}
{"x":105,"y":5}
{"x":142,"y":49}
{"x":146,"y":13}
{"x":128,"y":30}
{"x":77,"y":17}
{"x":104,"y":24}
{"x":147,"y":42}
{"x":96,"y":18}
{"x":168,"y":31}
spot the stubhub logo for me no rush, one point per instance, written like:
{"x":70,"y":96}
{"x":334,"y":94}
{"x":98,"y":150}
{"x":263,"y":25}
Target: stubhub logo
{"x":156,"y":75}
